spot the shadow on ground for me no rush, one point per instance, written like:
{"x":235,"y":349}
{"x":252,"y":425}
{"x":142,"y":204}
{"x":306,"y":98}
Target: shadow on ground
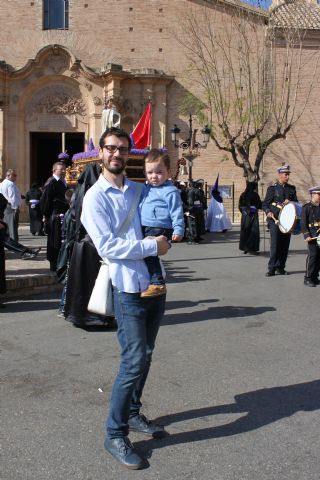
{"x":260,"y":408}
{"x":212,"y":313}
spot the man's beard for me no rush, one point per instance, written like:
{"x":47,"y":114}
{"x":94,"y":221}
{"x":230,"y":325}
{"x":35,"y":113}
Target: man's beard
{"x":115,"y":170}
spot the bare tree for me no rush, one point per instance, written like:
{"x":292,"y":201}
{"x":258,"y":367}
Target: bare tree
{"x":249,"y":76}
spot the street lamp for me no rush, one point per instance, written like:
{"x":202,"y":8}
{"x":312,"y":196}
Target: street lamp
{"x":191,"y":148}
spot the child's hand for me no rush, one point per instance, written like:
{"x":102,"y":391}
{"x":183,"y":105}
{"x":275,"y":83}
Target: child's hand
{"x":176,"y":238}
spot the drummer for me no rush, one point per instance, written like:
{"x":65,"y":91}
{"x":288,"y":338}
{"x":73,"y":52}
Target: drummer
{"x":278,"y":195}
{"x":310,"y":226}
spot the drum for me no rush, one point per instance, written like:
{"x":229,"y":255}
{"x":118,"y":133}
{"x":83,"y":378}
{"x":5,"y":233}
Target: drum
{"x":318,"y":240}
{"x":289,"y":218}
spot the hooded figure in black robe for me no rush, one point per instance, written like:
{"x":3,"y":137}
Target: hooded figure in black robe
{"x":197,"y":204}
{"x":84,"y":262}
{"x":249,"y":204}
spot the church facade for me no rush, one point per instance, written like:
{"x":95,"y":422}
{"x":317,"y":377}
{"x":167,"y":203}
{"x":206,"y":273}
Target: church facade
{"x":61,"y":61}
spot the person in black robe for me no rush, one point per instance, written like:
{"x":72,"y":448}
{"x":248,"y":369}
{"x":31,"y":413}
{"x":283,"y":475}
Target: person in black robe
{"x":3,"y":228}
{"x":197,"y":204}
{"x":35,"y":216}
{"x":249,"y":205}
{"x":53,"y":207}
{"x":84,"y":263}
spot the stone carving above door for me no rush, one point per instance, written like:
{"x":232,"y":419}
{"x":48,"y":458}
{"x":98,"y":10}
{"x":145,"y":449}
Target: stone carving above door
{"x":58,"y":99}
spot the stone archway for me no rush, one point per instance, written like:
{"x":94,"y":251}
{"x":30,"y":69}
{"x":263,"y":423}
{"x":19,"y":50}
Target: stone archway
{"x":53,"y":115}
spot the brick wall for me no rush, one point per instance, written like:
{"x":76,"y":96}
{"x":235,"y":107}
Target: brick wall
{"x":139,"y":34}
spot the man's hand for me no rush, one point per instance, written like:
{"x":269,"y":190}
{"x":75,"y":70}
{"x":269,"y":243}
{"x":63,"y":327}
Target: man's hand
{"x":270,"y":215}
{"x":176,"y":238}
{"x":162,"y":245}
{"x":286,"y":202}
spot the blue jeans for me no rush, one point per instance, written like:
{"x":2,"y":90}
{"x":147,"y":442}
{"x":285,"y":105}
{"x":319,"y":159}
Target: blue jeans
{"x":138,"y":324}
{"x":153,"y":263}
{"x":62,"y":300}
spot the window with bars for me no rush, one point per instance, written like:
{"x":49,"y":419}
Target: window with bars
{"x":55,"y":14}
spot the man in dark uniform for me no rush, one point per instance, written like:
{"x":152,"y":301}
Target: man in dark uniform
{"x":310,"y":227}
{"x":278,"y":195}
{"x":53,"y":207}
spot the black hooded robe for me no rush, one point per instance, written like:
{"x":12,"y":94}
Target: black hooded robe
{"x":250,"y":232}
{"x":53,"y":207}
{"x":84,"y":262}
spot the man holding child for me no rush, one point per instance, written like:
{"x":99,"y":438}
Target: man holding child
{"x":105,"y":208}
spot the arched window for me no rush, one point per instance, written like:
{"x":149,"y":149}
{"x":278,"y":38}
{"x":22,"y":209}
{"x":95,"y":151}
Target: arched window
{"x":55,"y":14}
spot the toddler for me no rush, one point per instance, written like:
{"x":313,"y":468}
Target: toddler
{"x":161,"y":214}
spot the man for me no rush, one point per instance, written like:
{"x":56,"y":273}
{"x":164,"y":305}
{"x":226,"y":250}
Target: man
{"x":12,"y":194}
{"x":105,"y":208}
{"x":278,"y":195}
{"x":53,"y":206}
{"x":310,"y":227}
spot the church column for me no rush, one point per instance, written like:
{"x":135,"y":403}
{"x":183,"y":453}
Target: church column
{"x":94,"y":127}
{"x":112,"y":89}
{"x":160,"y":116}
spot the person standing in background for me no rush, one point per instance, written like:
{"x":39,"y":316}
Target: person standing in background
{"x":53,"y":204}
{"x":249,"y":204}
{"x":310,"y":227}
{"x":12,"y":194}
{"x":35,"y":217}
{"x":3,"y":289}
{"x":217,"y":217}
{"x":278,"y":195}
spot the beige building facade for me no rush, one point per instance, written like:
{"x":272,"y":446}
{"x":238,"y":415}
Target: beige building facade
{"x":54,"y":83}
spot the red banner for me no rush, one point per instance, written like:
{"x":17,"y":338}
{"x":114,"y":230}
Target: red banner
{"x":141,"y":135}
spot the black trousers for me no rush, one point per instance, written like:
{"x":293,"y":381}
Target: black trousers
{"x":313,"y":261}
{"x":279,"y":247}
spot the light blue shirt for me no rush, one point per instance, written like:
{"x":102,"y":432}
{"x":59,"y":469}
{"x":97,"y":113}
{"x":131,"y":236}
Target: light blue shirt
{"x":104,"y":210}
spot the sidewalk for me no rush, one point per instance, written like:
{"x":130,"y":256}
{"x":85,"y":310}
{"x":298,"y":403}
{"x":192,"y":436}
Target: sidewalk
{"x":25,"y":277}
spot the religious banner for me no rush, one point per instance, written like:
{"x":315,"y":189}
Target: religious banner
{"x":141,"y":135}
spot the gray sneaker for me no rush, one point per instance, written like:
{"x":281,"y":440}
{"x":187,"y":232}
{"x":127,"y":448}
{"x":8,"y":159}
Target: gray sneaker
{"x":140,"y":423}
{"x":123,"y":451}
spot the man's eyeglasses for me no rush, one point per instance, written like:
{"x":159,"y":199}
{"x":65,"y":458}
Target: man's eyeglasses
{"x":114,"y":148}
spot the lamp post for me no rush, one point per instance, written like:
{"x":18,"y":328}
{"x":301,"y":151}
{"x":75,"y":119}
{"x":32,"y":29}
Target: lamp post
{"x":190,"y":147}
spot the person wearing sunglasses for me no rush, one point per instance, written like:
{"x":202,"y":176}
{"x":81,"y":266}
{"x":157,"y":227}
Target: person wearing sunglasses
{"x":108,"y":205}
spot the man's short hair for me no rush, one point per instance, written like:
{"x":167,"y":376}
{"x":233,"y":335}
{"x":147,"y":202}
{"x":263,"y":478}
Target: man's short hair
{"x":117,"y":132}
{"x":156,"y":155}
{"x":56,"y":164}
{"x":9,"y":171}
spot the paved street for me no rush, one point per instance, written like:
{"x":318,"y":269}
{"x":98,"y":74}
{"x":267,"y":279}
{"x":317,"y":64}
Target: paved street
{"x":235,"y":377}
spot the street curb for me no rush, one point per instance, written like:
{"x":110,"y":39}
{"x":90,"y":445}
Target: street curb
{"x":32,"y":285}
